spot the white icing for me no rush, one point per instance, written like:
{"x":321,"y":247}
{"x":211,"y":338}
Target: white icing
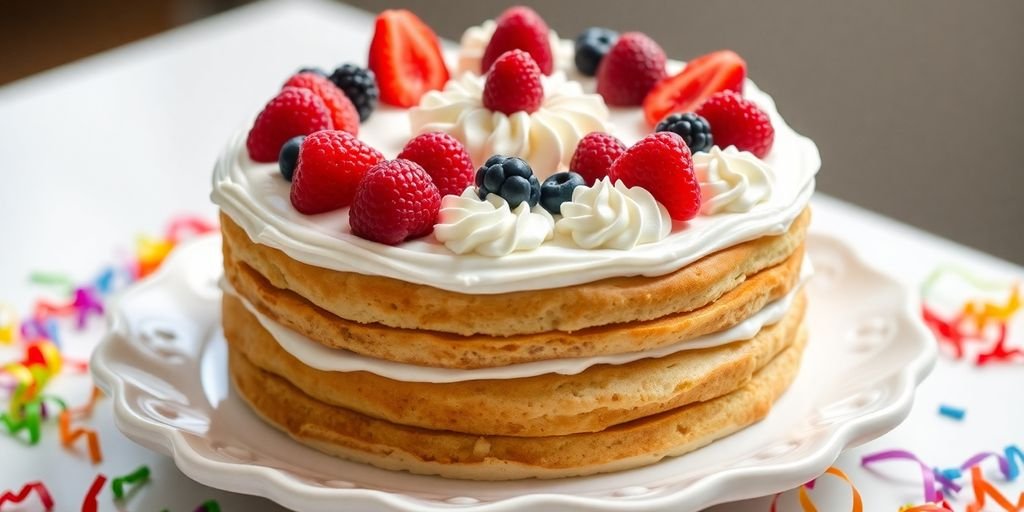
{"x":545,"y":138}
{"x":467,"y":224}
{"x":613,"y":217}
{"x":474,"y":42}
{"x":316,"y":355}
{"x":732,"y":181}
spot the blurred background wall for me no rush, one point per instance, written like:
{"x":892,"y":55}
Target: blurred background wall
{"x":916,"y":105}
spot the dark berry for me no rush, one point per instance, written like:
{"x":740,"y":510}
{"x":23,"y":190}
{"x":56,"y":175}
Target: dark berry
{"x":360,"y":85}
{"x":313,"y":70}
{"x":694,"y":130}
{"x":288,"y":158}
{"x":591,"y":46}
{"x":509,"y":177}
{"x":557,"y":189}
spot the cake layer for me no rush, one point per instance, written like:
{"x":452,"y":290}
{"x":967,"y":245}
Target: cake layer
{"x":545,"y":405}
{"x":373,"y":299}
{"x":348,"y":434}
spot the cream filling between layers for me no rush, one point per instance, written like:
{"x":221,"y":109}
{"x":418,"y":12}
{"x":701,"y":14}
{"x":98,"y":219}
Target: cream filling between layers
{"x":316,"y":355}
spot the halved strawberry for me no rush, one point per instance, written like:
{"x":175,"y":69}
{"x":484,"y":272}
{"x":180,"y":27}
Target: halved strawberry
{"x":406,"y":57}
{"x":723,"y":70}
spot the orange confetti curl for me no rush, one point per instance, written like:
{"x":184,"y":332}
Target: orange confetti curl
{"x":807,"y":505}
{"x":983,"y":488}
{"x":68,"y":434}
{"x":984,"y":312}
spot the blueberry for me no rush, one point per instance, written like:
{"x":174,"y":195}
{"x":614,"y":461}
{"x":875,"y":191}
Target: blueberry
{"x":557,"y":189}
{"x":288,"y":158}
{"x":360,"y":85}
{"x":509,"y":177}
{"x":591,"y":46}
{"x":694,"y":129}
{"x":534,"y":191}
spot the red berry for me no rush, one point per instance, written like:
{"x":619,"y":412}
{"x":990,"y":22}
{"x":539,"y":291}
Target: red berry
{"x":513,"y":84}
{"x":406,"y":57}
{"x":396,"y":201}
{"x":343,"y":112}
{"x":687,"y":90}
{"x":661,"y":164}
{"x":331,"y":163}
{"x":444,"y":158}
{"x":594,"y":156}
{"x":294,"y":111}
{"x":520,"y":28}
{"x":737,"y":121}
{"x":632,"y":67}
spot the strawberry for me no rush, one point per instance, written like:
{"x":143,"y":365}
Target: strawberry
{"x":294,"y":111}
{"x":331,"y":164}
{"x":444,"y":158}
{"x":520,"y":28}
{"x":736,"y":121}
{"x":513,"y":84}
{"x":687,"y":90}
{"x":594,"y":156}
{"x":343,"y":112}
{"x":406,"y":57}
{"x":632,"y":67}
{"x":661,"y":163}
{"x":396,"y":201}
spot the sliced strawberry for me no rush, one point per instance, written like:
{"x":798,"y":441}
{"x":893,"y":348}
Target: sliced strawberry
{"x":723,"y":70}
{"x":406,"y":57}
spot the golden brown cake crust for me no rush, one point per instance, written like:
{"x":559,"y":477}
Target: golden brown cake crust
{"x":354,"y":436}
{"x":394,"y":303}
{"x":544,"y":405}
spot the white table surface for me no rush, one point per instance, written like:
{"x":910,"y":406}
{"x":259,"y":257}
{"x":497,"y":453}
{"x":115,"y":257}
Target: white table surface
{"x":107,"y":148}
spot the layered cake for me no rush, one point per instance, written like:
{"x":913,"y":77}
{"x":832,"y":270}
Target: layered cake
{"x":531,"y":257}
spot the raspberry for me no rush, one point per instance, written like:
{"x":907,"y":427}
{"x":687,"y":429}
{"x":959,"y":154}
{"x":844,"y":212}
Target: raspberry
{"x":396,"y":201}
{"x":343,"y":113}
{"x":444,"y":158}
{"x":331,"y":163}
{"x":661,"y":164}
{"x":294,"y":111}
{"x":594,"y":156}
{"x":513,"y":84}
{"x":520,"y":28}
{"x":736,"y":121}
{"x":632,"y":67}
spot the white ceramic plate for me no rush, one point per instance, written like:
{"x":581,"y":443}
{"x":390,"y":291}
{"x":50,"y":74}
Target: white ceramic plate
{"x":164,"y":364}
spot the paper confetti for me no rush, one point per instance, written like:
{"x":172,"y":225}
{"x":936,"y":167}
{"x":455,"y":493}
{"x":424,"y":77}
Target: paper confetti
{"x":983,"y":489}
{"x":69,"y":434}
{"x":137,"y":477}
{"x":21,"y":496}
{"x":29,"y":418}
{"x":949,"y":411}
{"x":90,"y":503}
{"x":807,"y":505}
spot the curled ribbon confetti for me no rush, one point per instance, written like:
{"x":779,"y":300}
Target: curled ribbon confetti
{"x":983,"y":488}
{"x":139,"y":476}
{"x":8,"y":324}
{"x":69,"y":435}
{"x":90,"y":503}
{"x":807,"y":505}
{"x":32,"y":487}
{"x":41,"y":362}
{"x":30,"y":418}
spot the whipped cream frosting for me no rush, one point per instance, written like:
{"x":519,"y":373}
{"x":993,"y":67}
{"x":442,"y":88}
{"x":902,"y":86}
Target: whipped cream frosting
{"x":545,"y":138}
{"x":318,"y":356}
{"x":732,"y":181}
{"x":613,"y":217}
{"x":489,"y":227}
{"x":474,"y":42}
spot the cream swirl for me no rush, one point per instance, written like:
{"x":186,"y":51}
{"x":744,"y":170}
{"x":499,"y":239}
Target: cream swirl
{"x":613,"y":217}
{"x":474,"y":42}
{"x":732,"y":181}
{"x":545,"y":138}
{"x":490,"y":227}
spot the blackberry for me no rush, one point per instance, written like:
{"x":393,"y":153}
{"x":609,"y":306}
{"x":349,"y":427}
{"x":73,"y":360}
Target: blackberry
{"x":557,"y":189}
{"x":694,"y":129}
{"x":314,"y":70}
{"x":360,"y":85}
{"x":509,"y":177}
{"x":591,"y":46}
{"x":288,"y":158}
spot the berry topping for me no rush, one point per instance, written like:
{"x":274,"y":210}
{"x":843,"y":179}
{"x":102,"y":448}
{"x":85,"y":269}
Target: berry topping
{"x":591,"y":46}
{"x":594,"y":156}
{"x":444,"y":158}
{"x":557,"y":189}
{"x":694,"y":130}
{"x":294,"y":111}
{"x":509,"y":177}
{"x":686,"y":91}
{"x":288,"y":158}
{"x":314,"y":70}
{"x":343,"y":113}
{"x":520,"y":28}
{"x":360,"y":86}
{"x":513,"y":84}
{"x":331,"y":163}
{"x":406,"y":57}
{"x":630,"y":69}
{"x":394,"y":202}
{"x":661,"y":164}
{"x":736,"y":121}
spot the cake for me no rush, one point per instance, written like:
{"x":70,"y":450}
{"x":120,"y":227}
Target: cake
{"x":528,"y":258}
